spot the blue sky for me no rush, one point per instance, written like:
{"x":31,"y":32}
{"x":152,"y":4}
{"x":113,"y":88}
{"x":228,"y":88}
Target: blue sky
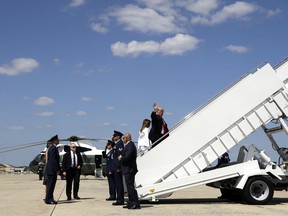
{"x":87,"y":67}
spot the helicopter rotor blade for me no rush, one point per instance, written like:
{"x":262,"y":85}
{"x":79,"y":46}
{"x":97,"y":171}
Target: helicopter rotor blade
{"x":76,"y":138}
{"x":22,"y":146}
{"x":28,"y":145}
{"x":93,"y":139}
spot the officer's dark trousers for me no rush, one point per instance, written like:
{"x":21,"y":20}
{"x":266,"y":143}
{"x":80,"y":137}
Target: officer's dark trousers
{"x":112,"y":187}
{"x":119,"y":187}
{"x":51,"y":182}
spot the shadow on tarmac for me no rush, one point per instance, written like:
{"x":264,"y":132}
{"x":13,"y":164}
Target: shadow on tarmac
{"x":274,"y":201}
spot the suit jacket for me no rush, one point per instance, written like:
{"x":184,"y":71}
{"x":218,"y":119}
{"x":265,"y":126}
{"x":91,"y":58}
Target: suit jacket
{"x":129,"y":156}
{"x":53,"y":163}
{"x":66,"y":163}
{"x":156,"y":129}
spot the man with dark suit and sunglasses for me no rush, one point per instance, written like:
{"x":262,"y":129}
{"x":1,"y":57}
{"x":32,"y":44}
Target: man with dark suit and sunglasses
{"x":71,"y":167}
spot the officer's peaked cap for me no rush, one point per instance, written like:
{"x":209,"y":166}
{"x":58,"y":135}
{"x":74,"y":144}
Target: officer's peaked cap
{"x":117,"y":133}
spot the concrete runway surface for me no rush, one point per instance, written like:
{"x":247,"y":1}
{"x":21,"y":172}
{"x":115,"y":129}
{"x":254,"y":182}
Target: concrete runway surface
{"x":22,"y":194}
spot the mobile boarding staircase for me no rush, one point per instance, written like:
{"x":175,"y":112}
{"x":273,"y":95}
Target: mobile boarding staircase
{"x":184,"y":158}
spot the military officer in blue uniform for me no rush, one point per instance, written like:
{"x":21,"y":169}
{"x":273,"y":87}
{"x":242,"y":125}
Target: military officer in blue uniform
{"x":52,"y":169}
{"x":108,"y":154}
{"x":118,"y":178}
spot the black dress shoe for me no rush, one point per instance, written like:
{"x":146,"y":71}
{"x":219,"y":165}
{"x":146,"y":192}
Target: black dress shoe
{"x":117,"y":203}
{"x":55,"y":202}
{"x":51,"y":202}
{"x":110,"y":198}
{"x":222,"y":197}
{"x":68,"y":198}
{"x":134,"y":207}
{"x":77,"y":197}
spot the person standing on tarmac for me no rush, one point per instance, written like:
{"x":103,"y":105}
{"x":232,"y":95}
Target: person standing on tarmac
{"x":118,"y":178}
{"x":52,"y":169}
{"x":71,"y":167}
{"x":129,"y":170}
{"x":45,"y":176}
{"x":108,"y":154}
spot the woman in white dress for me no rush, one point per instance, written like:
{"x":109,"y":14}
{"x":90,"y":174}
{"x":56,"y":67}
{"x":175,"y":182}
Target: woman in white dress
{"x":143,"y":140}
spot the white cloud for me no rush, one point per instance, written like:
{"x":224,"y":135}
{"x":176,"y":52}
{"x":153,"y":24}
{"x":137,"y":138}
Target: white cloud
{"x":123,"y":124}
{"x":170,"y":16}
{"x":271,"y":13}
{"x":98,"y":28}
{"x":199,"y":6}
{"x":145,"y":20}
{"x":177,"y":45}
{"x":110,"y":108}
{"x":80,"y":113}
{"x":18,"y":66}
{"x":24,"y":98}
{"x":80,"y":65}
{"x":86,"y":99}
{"x":43,"y":101}
{"x":48,"y":126}
{"x":15,"y":127}
{"x":172,"y":6}
{"x":164,"y":6}
{"x":168,"y":113}
{"x":106,"y":124}
{"x":77,"y":3}
{"x":134,"y":48}
{"x":45,"y":114}
{"x":236,"y":48}
{"x":56,"y":61}
{"x":238,"y":10}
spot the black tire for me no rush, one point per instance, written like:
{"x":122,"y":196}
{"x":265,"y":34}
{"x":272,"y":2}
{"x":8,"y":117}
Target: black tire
{"x":258,"y":191}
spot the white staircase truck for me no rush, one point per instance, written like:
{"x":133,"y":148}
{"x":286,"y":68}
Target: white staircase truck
{"x":256,"y":99}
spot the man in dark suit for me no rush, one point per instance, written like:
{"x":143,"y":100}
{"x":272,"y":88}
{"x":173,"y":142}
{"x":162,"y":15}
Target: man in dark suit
{"x":129,"y":170}
{"x":116,"y":168}
{"x":159,"y":127}
{"x":71,"y":167}
{"x":52,"y":169}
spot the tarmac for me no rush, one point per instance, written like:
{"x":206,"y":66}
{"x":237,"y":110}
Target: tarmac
{"x":22,"y":194}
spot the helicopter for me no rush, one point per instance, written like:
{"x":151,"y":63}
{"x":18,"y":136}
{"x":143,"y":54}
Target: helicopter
{"x":93,"y":161}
